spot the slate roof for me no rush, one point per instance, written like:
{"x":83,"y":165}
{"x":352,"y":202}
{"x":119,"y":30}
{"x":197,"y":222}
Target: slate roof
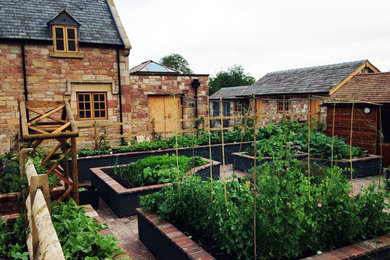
{"x":27,"y":19}
{"x":153,"y":67}
{"x":231,"y":92}
{"x":374,"y":88}
{"x":319,"y":79}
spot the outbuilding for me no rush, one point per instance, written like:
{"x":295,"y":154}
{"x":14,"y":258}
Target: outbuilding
{"x":363,"y":103}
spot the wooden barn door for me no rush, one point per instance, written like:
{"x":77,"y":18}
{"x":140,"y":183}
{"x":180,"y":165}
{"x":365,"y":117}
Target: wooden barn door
{"x":315,"y":109}
{"x":165,"y":111}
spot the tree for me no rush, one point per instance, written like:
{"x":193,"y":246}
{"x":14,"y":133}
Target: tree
{"x":177,"y":62}
{"x":233,"y":77}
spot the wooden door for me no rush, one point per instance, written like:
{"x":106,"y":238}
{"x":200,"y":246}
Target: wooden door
{"x":259,"y":108}
{"x":315,"y":109}
{"x":166,"y":112}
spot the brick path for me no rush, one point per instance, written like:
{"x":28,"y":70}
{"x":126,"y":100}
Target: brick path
{"x":125,"y":230}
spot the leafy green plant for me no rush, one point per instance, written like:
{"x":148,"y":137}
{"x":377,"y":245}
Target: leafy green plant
{"x":294,"y":217}
{"x":10,"y":180}
{"x":13,"y":239}
{"x":79,"y":234}
{"x":154,"y":170}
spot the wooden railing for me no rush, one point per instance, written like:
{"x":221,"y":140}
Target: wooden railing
{"x":42,"y":241}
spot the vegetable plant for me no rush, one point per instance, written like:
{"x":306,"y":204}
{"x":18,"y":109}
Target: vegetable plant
{"x":154,"y":170}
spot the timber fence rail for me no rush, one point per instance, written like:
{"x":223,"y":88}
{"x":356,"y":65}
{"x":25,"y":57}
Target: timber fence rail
{"x":98,"y":128}
{"x":42,"y":241}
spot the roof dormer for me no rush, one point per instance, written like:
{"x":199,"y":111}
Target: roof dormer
{"x":64,"y":31}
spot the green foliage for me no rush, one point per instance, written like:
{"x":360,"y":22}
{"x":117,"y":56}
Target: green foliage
{"x":289,"y":135}
{"x":177,"y":62}
{"x":13,"y":239}
{"x":293,"y":216}
{"x":234,"y":76}
{"x":154,"y":170}
{"x":271,"y":140}
{"x":9,"y":173}
{"x":79,"y":234}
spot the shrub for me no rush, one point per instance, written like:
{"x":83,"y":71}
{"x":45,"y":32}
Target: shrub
{"x":10,"y":180}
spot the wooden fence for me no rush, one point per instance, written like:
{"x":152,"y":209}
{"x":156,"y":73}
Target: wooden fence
{"x":42,"y":241}
{"x":96,"y":129}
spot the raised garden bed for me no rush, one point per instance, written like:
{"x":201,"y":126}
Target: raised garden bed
{"x":12,"y":202}
{"x":244,"y":162}
{"x":85,"y":163}
{"x":88,"y":195}
{"x":124,"y":201}
{"x":165,"y":241}
{"x":362,"y":167}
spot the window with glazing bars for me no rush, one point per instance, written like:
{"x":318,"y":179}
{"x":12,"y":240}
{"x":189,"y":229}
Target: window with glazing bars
{"x":92,"y":105}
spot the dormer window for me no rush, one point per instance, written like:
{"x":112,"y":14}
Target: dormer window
{"x":65,"y":38}
{"x":64,"y":29}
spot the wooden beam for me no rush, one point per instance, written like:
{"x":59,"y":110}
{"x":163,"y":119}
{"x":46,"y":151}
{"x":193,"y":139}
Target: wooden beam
{"x":43,"y":104}
{"x":23,"y":117}
{"x":59,"y":130}
{"x":366,"y":64}
{"x":41,"y":114}
{"x":45,"y":115}
{"x":75,"y":176}
{"x":51,"y":136}
{"x":70,"y":117}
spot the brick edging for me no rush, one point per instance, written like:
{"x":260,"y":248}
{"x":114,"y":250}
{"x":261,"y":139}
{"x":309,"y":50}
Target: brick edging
{"x":354,"y":251}
{"x":180,"y":240}
{"x":119,"y":189}
{"x":99,"y":156}
{"x":91,"y":212}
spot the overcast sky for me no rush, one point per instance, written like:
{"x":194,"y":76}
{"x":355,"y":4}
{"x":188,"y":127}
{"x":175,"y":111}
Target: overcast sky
{"x":262,"y":36}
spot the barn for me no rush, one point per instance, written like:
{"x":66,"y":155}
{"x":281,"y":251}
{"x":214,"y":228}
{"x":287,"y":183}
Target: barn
{"x":363,"y":106}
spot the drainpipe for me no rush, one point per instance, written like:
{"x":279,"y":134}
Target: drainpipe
{"x":120,"y":94}
{"x":24,"y":72}
{"x":195,"y":84}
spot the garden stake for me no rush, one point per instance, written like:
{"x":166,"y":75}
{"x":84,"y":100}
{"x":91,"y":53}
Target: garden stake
{"x":211,"y":156}
{"x":254,"y":179}
{"x":177,"y":152}
{"x":332,"y":147}
{"x":223,"y":151}
{"x":380,"y":143}
{"x":350,"y":146}
{"x":308,"y":139}
{"x":245,"y":125}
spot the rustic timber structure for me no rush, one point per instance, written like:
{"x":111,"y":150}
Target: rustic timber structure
{"x":52,"y":121}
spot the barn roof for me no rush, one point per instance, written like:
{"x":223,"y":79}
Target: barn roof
{"x":21,"y":19}
{"x":370,"y":88}
{"x":152,"y":67}
{"x":231,"y":92}
{"x":311,"y":80}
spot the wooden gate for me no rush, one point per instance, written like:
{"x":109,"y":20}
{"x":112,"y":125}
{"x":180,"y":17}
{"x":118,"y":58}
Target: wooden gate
{"x":165,"y":112}
{"x":315,"y":109}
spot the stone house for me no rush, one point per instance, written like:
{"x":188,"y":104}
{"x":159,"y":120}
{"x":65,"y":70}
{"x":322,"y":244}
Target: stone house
{"x":291,"y":93}
{"x":62,"y":50}
{"x":78,"y":51}
{"x":161,"y":96}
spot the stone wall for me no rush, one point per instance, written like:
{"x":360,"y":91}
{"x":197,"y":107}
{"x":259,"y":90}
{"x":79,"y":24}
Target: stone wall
{"x":142,"y":86}
{"x":54,"y":79}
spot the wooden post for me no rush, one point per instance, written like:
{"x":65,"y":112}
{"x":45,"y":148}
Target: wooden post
{"x":96,"y":138}
{"x":350,"y":146}
{"x":210,"y":150}
{"x":223,"y":150}
{"x":75,"y":174}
